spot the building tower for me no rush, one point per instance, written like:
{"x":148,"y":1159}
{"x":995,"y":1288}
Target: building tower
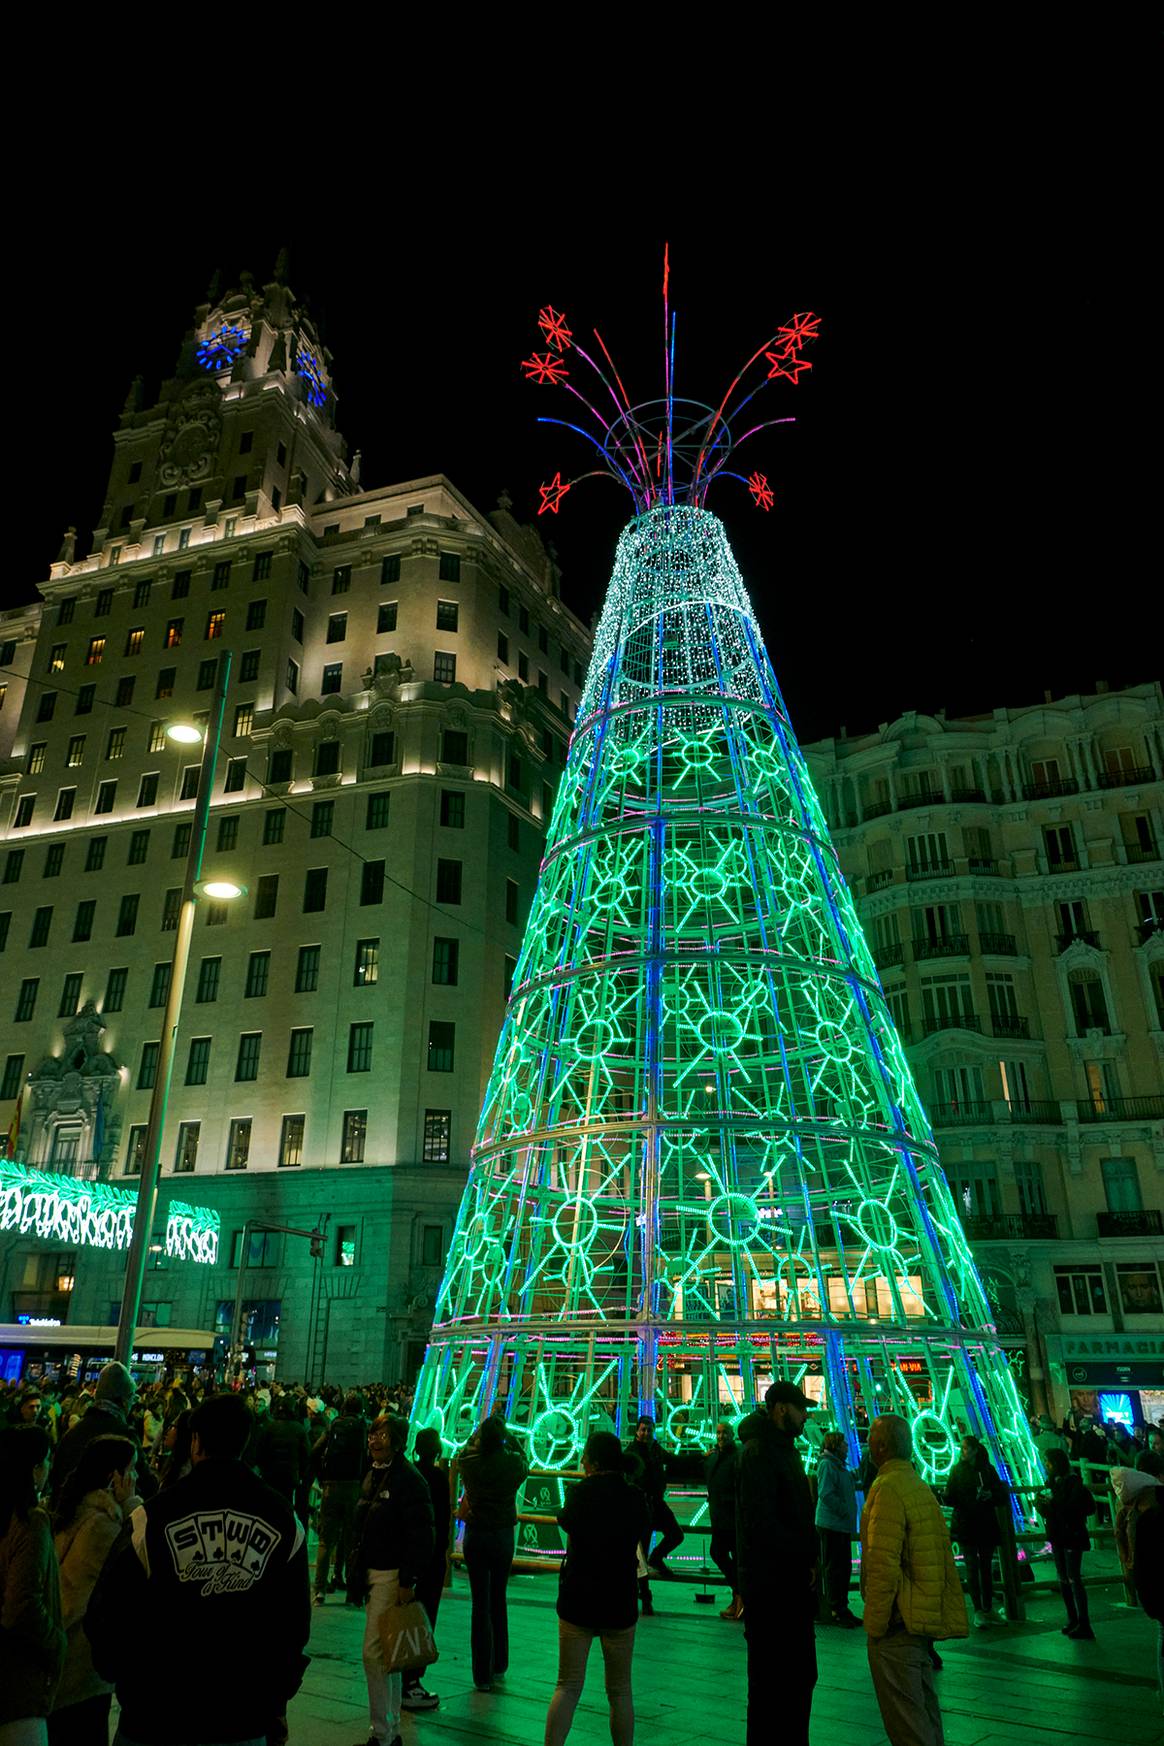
{"x":701,"y":1161}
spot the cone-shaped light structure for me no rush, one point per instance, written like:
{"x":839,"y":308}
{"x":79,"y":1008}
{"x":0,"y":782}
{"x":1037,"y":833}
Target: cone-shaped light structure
{"x":702,"y":1162}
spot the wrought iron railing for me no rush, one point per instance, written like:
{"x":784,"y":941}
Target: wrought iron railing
{"x":998,"y":945}
{"x":1130,"y":1224}
{"x":952,"y":946}
{"x":1121,"y":1109}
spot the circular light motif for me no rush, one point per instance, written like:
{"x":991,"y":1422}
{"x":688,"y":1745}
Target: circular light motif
{"x":308,"y":366}
{"x":877,"y":1225}
{"x":220,"y":349}
{"x":733,"y":1219}
{"x":554,"y":1439}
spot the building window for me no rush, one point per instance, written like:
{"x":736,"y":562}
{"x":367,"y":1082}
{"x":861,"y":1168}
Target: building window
{"x":209,"y":973}
{"x":372,"y":882}
{"x":444,"y":961}
{"x":227,"y":833}
{"x":511,"y":900}
{"x":291,"y":1141}
{"x":503,"y":648}
{"x":160,"y":984}
{"x":360,"y":1047}
{"x":171,"y":909}
{"x":322,"y":817}
{"x":503,"y":601}
{"x":1121,"y":1185}
{"x":444,"y":668}
{"x":266,"y":896}
{"x":386,"y":617}
{"x":455,"y":747}
{"x":274,"y":820}
{"x":367,"y":966}
{"x":147,"y":793}
{"x":75,"y":756}
{"x":513,"y":829}
{"x":135,"y":1151}
{"x":106,"y":797}
{"x":1139,"y":1283}
{"x":127,"y":915}
{"x":83,"y":922}
{"x":42,"y":923}
{"x":181,"y":842}
{"x":95,"y":854}
{"x":307,"y":970}
{"x":437,"y":1134}
{"x":296,"y":624}
{"x":198,"y":1061}
{"x":250,"y":1046}
{"x":157,"y":737}
{"x":299,"y":1053}
{"x":165,"y":684}
{"x":1088,"y":1002}
{"x":337,"y":627}
{"x":1059,"y":844}
{"x":450,"y":567}
{"x":1081,"y":1289}
{"x":47,"y":706}
{"x":249,"y":669}
{"x":215,"y":625}
{"x":236,"y":776}
{"x":180,"y":586}
{"x":244,"y":719}
{"x":70,"y":995}
{"x":315,"y":890}
{"x":258,"y":974}
{"x":256,"y":615}
{"x":345,"y":1246}
{"x":238,"y":1145}
{"x":115,"y":990}
{"x":508,"y":971}
{"x":441,"y":1038}
{"x":147,"y":1071}
{"x":333,"y":675}
{"x":13,"y":866}
{"x":448,"y":881}
{"x":355,"y":1133}
{"x":66,"y":800}
{"x":114,"y":744}
{"x":25,"y":808}
{"x":382,"y":748}
{"x":95,"y":653}
{"x":292,"y":678}
{"x":279,"y":768}
{"x":261,"y":568}
{"x":13,"y":1078}
{"x":221,"y":575}
{"x":523,"y":667}
{"x":447,"y":614}
{"x":378,"y":810}
{"x":186,"y":1153}
{"x":432,"y":1245}
{"x":54,"y":860}
{"x":87,"y":693}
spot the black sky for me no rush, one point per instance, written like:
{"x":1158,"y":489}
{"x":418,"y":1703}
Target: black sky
{"x":962,"y":515}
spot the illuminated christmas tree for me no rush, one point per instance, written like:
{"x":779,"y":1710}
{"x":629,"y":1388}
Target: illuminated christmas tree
{"x":702,"y":1162}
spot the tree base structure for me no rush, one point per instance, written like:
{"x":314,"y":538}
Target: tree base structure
{"x":702,"y":1162}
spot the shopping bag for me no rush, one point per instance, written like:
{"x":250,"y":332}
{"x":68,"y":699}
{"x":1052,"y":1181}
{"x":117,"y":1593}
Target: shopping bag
{"x":406,"y":1637}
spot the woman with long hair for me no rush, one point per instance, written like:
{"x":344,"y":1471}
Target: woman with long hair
{"x":32,"y":1642}
{"x":94,"y":1501}
{"x":975,"y":1491}
{"x":1065,"y":1512}
{"x":493,"y":1471}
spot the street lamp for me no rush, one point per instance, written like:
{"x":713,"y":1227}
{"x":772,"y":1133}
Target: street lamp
{"x":147,"y":1191}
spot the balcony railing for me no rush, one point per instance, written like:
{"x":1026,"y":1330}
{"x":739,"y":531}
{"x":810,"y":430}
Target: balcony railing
{"x":888,"y":955}
{"x":960,"y":1115}
{"x":1137,"y":852}
{"x":966,"y":794}
{"x":1009,"y":1025}
{"x":1036,"y":1109}
{"x":998,"y":945}
{"x":1050,"y":790}
{"x":926,"y":797}
{"x":1153,"y":925}
{"x":1130,"y":1224}
{"x":1083,"y":937}
{"x":933,"y":870}
{"x":1125,"y":778}
{"x":953,"y":946}
{"x":875,"y":809}
{"x":883,"y":876}
{"x":1065,"y":864}
{"x":955,"y":1021}
{"x":984,"y":864}
{"x":993,"y":1225}
{"x":1121,"y":1109}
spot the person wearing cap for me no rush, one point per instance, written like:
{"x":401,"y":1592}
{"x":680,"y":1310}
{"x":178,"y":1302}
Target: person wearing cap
{"x":776,"y":1554}
{"x":107,"y":1417}
{"x":909,"y":1585}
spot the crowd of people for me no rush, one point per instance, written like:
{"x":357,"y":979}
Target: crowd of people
{"x":131,"y":1522}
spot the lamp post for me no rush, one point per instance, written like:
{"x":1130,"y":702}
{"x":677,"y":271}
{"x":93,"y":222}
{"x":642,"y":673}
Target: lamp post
{"x":147,"y":1191}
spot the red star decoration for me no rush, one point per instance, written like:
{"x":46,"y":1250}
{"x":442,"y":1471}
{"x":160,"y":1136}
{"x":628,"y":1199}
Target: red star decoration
{"x":801,"y":328}
{"x":545,"y":368}
{"x":552,"y":494}
{"x":785,"y":363}
{"x":554,"y":329}
{"x":761,"y":490}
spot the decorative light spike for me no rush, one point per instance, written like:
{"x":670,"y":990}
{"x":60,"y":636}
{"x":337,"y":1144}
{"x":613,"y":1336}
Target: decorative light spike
{"x":545,"y":367}
{"x":702,"y":1162}
{"x":552,"y":494}
{"x":554,"y":329}
{"x":761,"y":491}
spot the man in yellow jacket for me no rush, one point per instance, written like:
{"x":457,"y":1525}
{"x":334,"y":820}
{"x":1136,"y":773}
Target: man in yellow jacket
{"x":909,"y":1585}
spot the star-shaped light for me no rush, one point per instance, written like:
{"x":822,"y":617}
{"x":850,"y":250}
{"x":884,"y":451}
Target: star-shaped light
{"x":805,"y":326}
{"x":786,"y":363}
{"x":554,"y":329}
{"x":552,"y":494}
{"x":761,"y":491}
{"x":544,"y":368}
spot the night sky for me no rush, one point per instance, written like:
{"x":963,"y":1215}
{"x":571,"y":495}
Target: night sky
{"x":961,"y":518}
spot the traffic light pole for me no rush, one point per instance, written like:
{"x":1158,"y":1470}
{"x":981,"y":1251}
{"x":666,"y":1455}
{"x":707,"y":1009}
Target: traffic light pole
{"x":315,"y":1237}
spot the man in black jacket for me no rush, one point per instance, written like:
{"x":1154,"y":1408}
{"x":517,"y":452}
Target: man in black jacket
{"x":776,"y":1552}
{"x":108,"y":1416}
{"x":392,"y":1545}
{"x":215,"y":1564}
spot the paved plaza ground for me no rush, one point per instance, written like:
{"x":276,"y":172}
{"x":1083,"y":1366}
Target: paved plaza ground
{"x":1013,"y":1683}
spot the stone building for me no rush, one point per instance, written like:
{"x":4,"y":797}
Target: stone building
{"x":1009,"y":873}
{"x":404,"y":676}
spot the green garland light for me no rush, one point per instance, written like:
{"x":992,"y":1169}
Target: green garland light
{"x":95,"y":1215}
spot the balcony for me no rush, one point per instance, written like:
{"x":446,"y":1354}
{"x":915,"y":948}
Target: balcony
{"x":1125,"y":778}
{"x":1009,"y":1225}
{"x":1084,"y":937}
{"x":887,"y":956}
{"x":1121,"y":1109}
{"x":884,"y":876}
{"x":960,"y":1115}
{"x":953,"y":946}
{"x":1153,"y":925}
{"x":1050,"y":790}
{"x":955,"y":1021}
{"x":1139,"y":852}
{"x":875,"y":809}
{"x":1129,"y":1224}
{"x":1009,"y":1025}
{"x":998,"y":945}
{"x":934,"y":870}
{"x":984,"y":865}
{"x":1039,"y":1110}
{"x":926,"y":797}
{"x":966,"y":794}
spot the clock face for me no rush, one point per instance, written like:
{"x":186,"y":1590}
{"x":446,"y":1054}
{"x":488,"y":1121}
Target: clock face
{"x":309,"y":367}
{"x":219,"y":349}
